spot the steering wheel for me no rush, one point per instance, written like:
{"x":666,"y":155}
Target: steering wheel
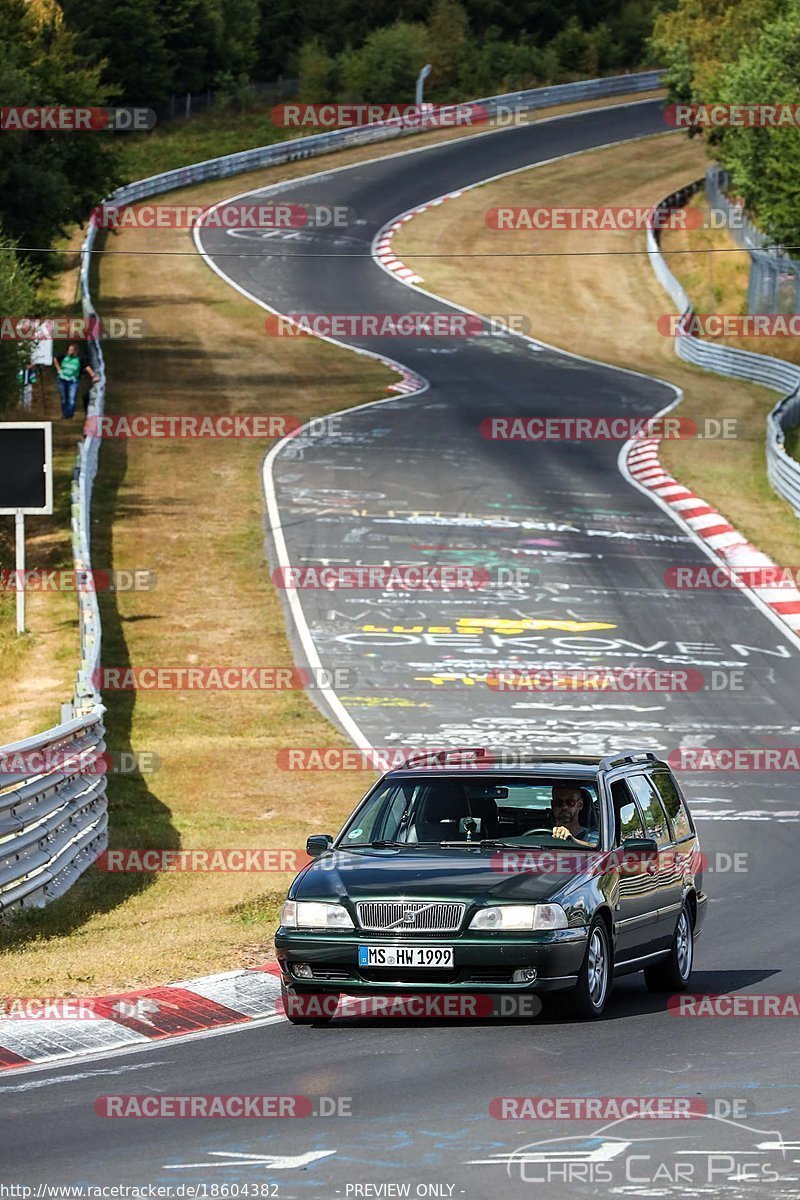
{"x":527,"y":831}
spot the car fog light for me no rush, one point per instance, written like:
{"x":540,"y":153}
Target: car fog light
{"x":303,"y":971}
{"x":526,"y":975}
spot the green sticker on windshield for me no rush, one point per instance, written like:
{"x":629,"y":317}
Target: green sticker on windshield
{"x":354,"y":833}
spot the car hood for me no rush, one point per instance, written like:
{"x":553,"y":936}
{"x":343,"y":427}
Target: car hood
{"x":455,"y":873}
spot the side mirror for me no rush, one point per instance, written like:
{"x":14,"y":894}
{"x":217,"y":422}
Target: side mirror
{"x":318,"y":843}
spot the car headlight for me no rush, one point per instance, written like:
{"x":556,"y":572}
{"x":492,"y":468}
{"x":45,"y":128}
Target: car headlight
{"x":314,"y":914}
{"x":520,"y":916}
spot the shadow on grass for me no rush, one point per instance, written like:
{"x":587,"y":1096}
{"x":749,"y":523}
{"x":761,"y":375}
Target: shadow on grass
{"x":137,"y":818}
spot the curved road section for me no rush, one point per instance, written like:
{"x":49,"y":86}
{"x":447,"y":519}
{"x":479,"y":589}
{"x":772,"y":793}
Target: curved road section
{"x":576,"y":560}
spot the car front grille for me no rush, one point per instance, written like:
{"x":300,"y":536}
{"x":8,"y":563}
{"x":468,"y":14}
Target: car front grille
{"x":410,"y":916}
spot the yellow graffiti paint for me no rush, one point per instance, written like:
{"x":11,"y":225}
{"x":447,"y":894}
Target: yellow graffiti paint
{"x":511,"y":626}
{"x":443,"y":677}
{"x":514,"y":625}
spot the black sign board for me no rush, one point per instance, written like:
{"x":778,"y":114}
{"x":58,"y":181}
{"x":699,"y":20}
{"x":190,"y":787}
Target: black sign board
{"x":26,"y":467}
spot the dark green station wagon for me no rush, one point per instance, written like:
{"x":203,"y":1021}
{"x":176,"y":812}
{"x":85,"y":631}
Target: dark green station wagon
{"x":459,"y":873}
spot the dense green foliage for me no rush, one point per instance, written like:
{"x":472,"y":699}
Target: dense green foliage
{"x":17,"y":299}
{"x":151,"y":50}
{"x":745,"y":52}
{"x":47,"y":180}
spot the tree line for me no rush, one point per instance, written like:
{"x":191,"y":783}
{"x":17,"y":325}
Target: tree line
{"x":745,"y":52}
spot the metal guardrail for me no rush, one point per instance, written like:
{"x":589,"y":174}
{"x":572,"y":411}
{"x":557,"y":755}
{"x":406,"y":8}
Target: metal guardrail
{"x":53,"y":824}
{"x":53,"y":810}
{"x":53,"y":818}
{"x":782,"y":470}
{"x":87,"y":698}
{"x":336,"y":139}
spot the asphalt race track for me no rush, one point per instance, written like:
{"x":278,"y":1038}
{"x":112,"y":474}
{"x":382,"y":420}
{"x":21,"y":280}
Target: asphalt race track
{"x":412,"y":480}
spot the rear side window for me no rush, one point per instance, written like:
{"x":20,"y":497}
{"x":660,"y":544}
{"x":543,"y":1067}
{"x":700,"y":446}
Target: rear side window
{"x":626,"y":815}
{"x":655,"y":819}
{"x":674,"y":804}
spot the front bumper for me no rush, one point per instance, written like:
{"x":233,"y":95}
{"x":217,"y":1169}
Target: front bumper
{"x":481,"y":963}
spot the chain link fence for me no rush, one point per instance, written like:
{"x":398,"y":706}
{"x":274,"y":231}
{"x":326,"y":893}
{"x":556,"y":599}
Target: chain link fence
{"x":774,"y":285}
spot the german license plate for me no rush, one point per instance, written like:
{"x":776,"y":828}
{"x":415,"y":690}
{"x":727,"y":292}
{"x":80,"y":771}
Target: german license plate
{"x":405,"y":956}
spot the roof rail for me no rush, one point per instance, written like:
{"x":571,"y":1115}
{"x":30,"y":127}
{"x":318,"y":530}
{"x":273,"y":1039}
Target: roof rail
{"x":421,"y":758}
{"x":626,"y":756}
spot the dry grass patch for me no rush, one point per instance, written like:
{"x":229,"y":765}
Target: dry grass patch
{"x":594,"y":293}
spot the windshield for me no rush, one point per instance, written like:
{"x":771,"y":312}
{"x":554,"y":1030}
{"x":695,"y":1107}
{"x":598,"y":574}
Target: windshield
{"x":516,"y":810}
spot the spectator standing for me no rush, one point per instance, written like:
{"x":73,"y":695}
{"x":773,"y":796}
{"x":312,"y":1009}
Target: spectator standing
{"x":68,"y":374}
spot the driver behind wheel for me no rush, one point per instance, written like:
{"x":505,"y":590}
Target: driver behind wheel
{"x":571,"y":807}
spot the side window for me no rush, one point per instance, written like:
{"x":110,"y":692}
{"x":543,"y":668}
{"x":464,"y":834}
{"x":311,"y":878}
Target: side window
{"x":674,"y":804}
{"x":627,"y":818}
{"x":655,"y":819}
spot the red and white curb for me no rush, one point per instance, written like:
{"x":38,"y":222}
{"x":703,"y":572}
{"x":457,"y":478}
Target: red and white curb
{"x":151,"y":1014}
{"x":644,"y":466}
{"x":642,"y":463}
{"x":408,"y":383}
{"x":383,"y":246}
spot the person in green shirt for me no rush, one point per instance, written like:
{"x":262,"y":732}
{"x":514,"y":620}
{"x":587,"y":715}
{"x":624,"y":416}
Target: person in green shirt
{"x":68,"y":373}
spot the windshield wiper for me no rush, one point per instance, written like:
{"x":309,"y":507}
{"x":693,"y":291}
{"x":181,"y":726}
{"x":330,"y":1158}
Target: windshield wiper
{"x":485,"y":842}
{"x":380,"y":844}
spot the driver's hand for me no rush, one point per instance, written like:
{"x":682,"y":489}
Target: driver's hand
{"x":561,"y":832}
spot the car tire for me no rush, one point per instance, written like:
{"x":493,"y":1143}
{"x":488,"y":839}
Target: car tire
{"x":596,"y":974}
{"x":308,"y":1008}
{"x":672,"y":974}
